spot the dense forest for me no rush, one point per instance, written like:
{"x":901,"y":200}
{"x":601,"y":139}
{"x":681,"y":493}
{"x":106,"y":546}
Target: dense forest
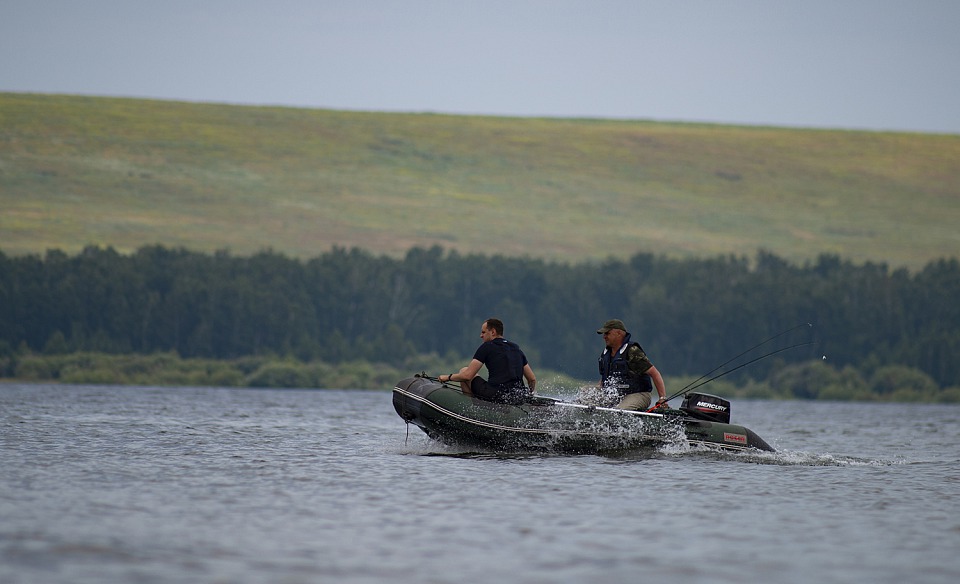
{"x":350,"y":305}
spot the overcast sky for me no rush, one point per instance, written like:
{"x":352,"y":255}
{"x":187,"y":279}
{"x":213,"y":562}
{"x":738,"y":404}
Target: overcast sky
{"x":864,"y":64}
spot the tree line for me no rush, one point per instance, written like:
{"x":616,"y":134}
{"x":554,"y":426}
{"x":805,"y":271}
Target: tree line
{"x":348,"y":305}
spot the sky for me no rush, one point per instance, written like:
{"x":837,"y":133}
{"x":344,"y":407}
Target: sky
{"x":847,"y":64}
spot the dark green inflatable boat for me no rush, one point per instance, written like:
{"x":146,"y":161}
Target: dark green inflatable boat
{"x":543,"y":423}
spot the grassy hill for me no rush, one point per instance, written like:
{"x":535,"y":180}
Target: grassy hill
{"x":124,"y":172}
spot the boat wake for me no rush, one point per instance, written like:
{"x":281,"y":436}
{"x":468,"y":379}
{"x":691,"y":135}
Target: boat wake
{"x":679,"y":449}
{"x":683,"y":449}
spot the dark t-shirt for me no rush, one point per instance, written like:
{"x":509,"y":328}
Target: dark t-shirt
{"x":504,"y":361}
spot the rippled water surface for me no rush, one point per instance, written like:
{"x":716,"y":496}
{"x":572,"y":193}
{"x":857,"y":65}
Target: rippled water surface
{"x":112,"y":484}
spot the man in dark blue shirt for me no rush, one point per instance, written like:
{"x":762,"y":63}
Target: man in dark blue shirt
{"x":507,"y":367}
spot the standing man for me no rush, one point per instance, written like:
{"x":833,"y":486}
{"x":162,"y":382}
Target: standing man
{"x":507,"y":367}
{"x":625,"y":369}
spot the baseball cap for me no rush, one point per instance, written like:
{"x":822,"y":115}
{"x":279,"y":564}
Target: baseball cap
{"x":610,"y":325}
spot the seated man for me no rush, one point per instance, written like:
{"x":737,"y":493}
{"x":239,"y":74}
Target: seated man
{"x":625,"y":369}
{"x":507,"y":367}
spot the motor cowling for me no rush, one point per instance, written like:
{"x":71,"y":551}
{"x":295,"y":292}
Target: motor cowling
{"x":706,"y":407}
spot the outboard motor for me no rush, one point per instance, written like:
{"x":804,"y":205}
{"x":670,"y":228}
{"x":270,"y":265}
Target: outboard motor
{"x":706,"y":407}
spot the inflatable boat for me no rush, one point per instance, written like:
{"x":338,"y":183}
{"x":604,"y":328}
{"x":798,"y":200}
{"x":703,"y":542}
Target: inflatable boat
{"x":445,"y":414}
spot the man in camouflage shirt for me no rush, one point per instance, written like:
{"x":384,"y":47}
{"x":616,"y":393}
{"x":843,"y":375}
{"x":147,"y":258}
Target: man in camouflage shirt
{"x":625,"y":369}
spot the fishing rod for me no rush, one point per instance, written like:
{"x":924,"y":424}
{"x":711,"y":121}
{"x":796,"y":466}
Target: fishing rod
{"x":770,"y":354}
{"x":725,"y":363}
{"x":694,"y":384}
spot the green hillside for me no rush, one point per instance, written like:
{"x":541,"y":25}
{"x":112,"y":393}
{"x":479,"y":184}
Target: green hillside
{"x":123,"y":172}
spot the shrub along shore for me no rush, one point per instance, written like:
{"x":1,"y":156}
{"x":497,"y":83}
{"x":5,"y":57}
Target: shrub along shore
{"x":809,"y":380}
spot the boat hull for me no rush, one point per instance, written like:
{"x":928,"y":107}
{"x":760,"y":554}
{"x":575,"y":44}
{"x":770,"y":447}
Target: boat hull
{"x":449,"y":416}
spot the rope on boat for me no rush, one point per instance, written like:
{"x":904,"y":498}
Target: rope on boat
{"x":448,"y":384}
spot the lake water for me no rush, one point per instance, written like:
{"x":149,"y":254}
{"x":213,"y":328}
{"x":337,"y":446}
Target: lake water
{"x":114,"y":484}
